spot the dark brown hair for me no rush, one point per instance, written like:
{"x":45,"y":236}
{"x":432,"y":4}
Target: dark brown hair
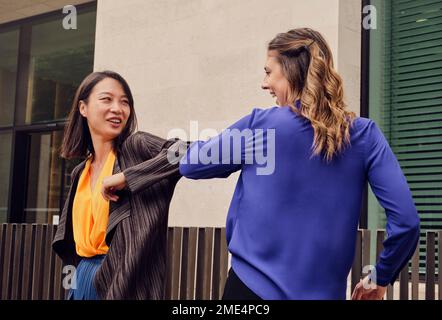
{"x":77,"y":141}
{"x":307,"y":63}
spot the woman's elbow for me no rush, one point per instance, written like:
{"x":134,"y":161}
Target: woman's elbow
{"x":187,"y":170}
{"x":184,"y":170}
{"x":413,"y":224}
{"x":416,"y":225}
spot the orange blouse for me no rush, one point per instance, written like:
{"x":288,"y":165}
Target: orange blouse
{"x":90,"y":211}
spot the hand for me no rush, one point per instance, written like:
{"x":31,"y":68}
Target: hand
{"x":111,"y":185}
{"x":368,"y":290}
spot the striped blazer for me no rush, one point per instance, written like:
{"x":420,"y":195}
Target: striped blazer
{"x":135,"y":265}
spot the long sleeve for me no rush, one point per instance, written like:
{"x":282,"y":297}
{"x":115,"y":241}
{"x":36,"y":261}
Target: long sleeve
{"x":165,"y":155}
{"x":226,"y":153}
{"x":391,"y":189}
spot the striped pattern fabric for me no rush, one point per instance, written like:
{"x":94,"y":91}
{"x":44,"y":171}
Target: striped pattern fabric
{"x":135,"y":265}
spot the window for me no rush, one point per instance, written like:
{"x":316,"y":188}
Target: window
{"x":405,"y":99}
{"x":41,"y":65}
{"x":8,"y":74}
{"x":45,"y":177}
{"x":5,"y":162}
{"x":58,"y":61}
{"x":9,"y":38}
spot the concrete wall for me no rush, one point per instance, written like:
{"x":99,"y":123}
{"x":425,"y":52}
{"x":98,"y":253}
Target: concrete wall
{"x":203,"y":60}
{"x":349,"y":51}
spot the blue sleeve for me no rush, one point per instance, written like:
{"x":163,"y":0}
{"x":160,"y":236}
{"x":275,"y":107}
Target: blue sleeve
{"x":391,"y":189}
{"x":221,"y":155}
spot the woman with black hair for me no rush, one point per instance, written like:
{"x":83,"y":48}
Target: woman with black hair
{"x":113,"y":226}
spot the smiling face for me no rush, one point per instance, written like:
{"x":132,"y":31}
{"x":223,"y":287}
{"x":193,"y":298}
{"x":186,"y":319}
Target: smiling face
{"x":107,"y":109}
{"x":275,"y":81}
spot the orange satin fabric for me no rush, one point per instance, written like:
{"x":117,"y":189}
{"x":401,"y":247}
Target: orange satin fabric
{"x":90,"y":211}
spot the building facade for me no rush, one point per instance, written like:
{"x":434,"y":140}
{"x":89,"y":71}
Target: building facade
{"x":202,"y":62}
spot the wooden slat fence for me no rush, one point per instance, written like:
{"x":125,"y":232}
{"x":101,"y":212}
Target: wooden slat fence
{"x":197,"y":264}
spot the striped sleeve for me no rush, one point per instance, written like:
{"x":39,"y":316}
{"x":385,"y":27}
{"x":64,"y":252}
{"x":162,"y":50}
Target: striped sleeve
{"x":163,"y":163}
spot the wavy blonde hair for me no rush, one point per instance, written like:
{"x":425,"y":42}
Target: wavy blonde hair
{"x":307,"y":63}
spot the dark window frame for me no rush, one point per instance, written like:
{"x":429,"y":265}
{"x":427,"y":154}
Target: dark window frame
{"x":19,"y":161}
{"x":364,"y":101}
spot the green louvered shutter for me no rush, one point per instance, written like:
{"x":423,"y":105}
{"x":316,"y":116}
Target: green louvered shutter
{"x":415,"y":104}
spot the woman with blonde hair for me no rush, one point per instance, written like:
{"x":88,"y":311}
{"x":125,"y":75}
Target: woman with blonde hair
{"x":292,"y":230}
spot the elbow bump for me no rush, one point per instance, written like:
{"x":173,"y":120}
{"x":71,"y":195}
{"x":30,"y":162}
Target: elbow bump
{"x":185,"y":170}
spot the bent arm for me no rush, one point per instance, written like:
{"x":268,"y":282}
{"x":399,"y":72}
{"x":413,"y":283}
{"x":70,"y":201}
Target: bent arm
{"x":224,"y":154}
{"x":161,"y":166}
{"x":391,"y":189}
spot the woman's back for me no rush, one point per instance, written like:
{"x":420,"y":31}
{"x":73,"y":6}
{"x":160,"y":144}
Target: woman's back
{"x":306,"y":210}
{"x":292,"y":232}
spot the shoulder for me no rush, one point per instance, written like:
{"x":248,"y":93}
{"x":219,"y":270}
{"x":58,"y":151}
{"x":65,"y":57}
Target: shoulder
{"x":142,"y":136}
{"x":260,"y":116}
{"x":373,"y":140}
{"x":277,"y":117}
{"x":144,"y":143}
{"x":368,"y":129}
{"x":259,"y":113}
{"x":361,"y":123}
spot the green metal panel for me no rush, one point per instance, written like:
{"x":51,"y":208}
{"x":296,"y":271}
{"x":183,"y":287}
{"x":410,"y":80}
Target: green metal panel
{"x":406,"y":101}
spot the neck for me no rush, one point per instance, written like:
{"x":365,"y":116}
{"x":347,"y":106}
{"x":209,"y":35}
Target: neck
{"x":102,"y":148}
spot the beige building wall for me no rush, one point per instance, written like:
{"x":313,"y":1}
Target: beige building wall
{"x":202,"y":60}
{"x":349,"y":51}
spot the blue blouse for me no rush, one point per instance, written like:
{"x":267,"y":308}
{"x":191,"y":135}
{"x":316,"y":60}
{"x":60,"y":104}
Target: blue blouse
{"x":293,"y":219}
